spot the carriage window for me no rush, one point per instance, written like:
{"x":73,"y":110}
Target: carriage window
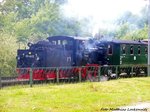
{"x":139,"y":50}
{"x":131,"y":50}
{"x":145,"y":50}
{"x":110,"y":49}
{"x":123,"y":49}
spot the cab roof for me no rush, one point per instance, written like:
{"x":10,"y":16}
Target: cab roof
{"x":68,"y":38}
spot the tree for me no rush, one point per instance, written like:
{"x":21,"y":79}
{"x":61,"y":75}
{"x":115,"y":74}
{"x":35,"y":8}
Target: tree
{"x":8,"y":49}
{"x":132,"y":26}
{"x":122,"y":30}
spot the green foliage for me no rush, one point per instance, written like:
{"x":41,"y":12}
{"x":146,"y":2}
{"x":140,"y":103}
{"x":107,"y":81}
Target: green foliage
{"x":8,"y":49}
{"x":122,"y":30}
{"x":137,"y":34}
{"x":22,"y":30}
{"x":132,"y":26}
{"x":125,"y":33}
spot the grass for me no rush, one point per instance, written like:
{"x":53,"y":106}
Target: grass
{"x":79,"y":97}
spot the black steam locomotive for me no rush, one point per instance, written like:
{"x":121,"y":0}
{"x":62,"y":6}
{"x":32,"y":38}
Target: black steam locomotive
{"x":64,"y":51}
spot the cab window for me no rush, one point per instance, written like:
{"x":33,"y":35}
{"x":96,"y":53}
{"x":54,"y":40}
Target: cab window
{"x":59,"y":42}
{"x":64,"y":42}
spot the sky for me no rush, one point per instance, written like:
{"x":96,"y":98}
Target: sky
{"x":102,"y":11}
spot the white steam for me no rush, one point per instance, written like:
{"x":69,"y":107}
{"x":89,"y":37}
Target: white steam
{"x":103,"y":12}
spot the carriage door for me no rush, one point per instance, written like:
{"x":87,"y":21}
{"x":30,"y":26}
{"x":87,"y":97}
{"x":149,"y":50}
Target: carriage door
{"x":110,"y":53}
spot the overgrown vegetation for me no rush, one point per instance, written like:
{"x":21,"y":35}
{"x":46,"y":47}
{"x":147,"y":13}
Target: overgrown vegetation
{"x":80,"y":97}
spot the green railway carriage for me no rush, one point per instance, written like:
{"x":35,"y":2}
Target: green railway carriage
{"x":125,"y":54}
{"x":121,"y":52}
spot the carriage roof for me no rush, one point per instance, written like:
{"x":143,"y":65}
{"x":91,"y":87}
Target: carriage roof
{"x":125,"y":42}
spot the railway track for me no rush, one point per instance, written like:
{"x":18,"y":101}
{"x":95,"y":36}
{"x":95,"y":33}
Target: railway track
{"x":11,"y":81}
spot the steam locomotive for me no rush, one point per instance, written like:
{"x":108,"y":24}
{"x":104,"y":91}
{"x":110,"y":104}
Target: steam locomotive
{"x":75,"y":52}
